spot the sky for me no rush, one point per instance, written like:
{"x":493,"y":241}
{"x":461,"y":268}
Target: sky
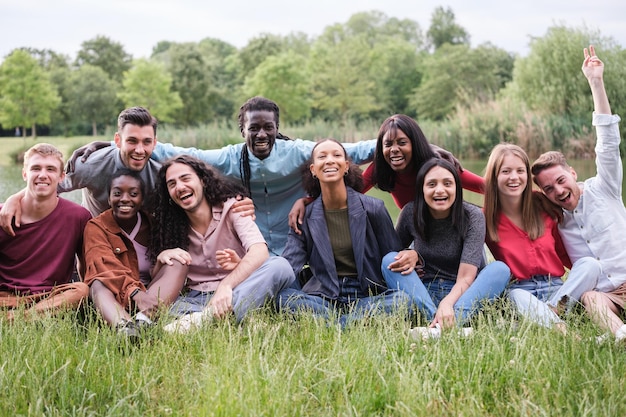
{"x":63,"y":25}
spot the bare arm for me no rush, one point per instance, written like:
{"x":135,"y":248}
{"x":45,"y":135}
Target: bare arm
{"x":12,"y":208}
{"x":593,"y":69}
{"x":445,"y":316}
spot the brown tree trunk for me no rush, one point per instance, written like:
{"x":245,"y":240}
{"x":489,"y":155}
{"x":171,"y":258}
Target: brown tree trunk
{"x":94,"y":128}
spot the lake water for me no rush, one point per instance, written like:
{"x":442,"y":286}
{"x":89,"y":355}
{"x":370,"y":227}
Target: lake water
{"x":11,"y":182}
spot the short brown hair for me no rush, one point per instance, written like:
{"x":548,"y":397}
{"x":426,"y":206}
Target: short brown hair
{"x":548,"y":160}
{"x":138,"y":116}
{"x":44,"y":149}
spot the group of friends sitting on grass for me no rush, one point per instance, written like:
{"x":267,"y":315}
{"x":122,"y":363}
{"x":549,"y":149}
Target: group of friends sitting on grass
{"x":188,"y":236}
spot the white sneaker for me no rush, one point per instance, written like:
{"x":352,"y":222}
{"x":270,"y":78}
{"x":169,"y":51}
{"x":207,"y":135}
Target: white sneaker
{"x":465,"y":331}
{"x":189,"y":321}
{"x":425,"y":333}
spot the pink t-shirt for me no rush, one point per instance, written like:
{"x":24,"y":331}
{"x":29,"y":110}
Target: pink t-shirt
{"x":42,"y":254}
{"x":227,"y":230}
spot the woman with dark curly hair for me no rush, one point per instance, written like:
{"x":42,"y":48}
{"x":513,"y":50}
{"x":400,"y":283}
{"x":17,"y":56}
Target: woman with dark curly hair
{"x":195,"y":226}
{"x":343,"y":239}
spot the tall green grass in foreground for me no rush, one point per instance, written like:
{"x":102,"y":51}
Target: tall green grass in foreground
{"x":276,"y":366}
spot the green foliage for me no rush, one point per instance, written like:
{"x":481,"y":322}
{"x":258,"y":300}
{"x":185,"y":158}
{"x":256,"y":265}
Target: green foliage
{"x":375,"y":26}
{"x":548,"y":79}
{"x":396,"y":71}
{"x":221,"y":95}
{"x":27,"y":97}
{"x":340,"y":82}
{"x":444,"y":29}
{"x":148,"y":84}
{"x":93,"y":96}
{"x":62,"y":117}
{"x":276,"y":366}
{"x":456,"y":75}
{"x":48,"y":59}
{"x":106,"y":54}
{"x":190,"y":79}
{"x":282,"y":78}
{"x":256,"y":51}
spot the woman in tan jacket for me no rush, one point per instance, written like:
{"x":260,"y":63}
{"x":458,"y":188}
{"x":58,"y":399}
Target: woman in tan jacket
{"x":117,"y":268}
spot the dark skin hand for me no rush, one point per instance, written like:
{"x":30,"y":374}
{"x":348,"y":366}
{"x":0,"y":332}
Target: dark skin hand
{"x":84,"y":151}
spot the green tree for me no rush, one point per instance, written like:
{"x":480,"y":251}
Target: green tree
{"x":396,"y":70}
{"x":376,"y":26}
{"x":148,"y":84}
{"x":548,"y":80}
{"x":444,"y":29}
{"x":93,"y":96}
{"x":106,"y":54}
{"x":256,"y":51}
{"x":283,"y":78}
{"x":223,"y":85}
{"x":62,"y":116}
{"x":27,"y":97}
{"x":191,"y":79}
{"x":456,"y":75}
{"x":49,"y":59}
{"x":341,"y":85}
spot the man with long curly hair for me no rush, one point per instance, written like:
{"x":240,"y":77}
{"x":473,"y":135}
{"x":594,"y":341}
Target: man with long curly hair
{"x":229,"y":268}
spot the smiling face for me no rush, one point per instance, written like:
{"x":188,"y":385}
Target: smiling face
{"x":259,"y":130}
{"x":42,"y":174}
{"x":559,"y":184}
{"x":136,"y":144}
{"x":125,"y":198}
{"x":439,"y":191}
{"x":184,"y":187}
{"x":512,"y":177}
{"x":397,"y":150}
{"x":329,"y":162}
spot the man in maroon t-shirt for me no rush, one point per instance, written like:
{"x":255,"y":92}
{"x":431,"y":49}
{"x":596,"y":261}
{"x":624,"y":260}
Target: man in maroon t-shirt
{"x":36,"y":265}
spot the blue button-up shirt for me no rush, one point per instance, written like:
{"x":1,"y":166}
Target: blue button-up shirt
{"x":275,"y":182}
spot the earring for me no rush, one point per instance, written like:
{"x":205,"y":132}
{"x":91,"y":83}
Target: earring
{"x":314,"y":176}
{"x":345,"y":174}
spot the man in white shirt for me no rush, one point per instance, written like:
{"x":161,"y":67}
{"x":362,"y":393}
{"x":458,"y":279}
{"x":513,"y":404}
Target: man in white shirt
{"x":594,"y":222}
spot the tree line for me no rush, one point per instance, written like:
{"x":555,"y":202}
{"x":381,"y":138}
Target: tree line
{"x":362,"y":70}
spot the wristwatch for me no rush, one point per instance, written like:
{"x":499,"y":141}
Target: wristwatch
{"x":134,"y":293}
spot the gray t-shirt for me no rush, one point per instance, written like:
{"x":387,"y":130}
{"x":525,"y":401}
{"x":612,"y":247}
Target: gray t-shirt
{"x":94,"y":176}
{"x":446,"y":248}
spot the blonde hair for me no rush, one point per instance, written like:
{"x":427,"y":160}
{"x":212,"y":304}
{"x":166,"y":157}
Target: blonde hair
{"x":532,"y":221}
{"x":43,"y":149}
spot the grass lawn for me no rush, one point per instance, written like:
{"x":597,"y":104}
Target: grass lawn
{"x":276,"y":366}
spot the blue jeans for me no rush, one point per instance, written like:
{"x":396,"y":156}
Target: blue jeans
{"x":262,"y":285}
{"x":534,"y":297}
{"x":350,"y":306}
{"x":426,"y":295}
{"x":530,"y":295}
